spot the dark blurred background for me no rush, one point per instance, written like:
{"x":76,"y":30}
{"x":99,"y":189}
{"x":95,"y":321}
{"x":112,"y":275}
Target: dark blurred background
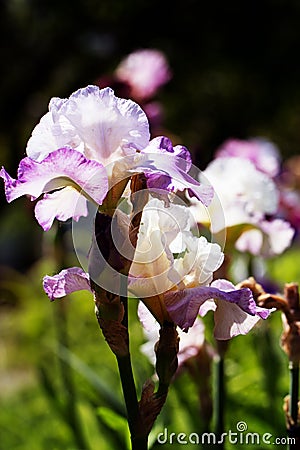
{"x":236,"y":69}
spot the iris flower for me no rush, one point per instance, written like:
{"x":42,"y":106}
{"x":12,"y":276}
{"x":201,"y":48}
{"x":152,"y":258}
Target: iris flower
{"x":172,"y":274}
{"x":84,"y":146}
{"x":261,"y":152}
{"x":248,"y":200}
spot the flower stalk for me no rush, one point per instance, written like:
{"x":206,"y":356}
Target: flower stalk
{"x":294,"y":390}
{"x":112,"y":309}
{"x":289,"y":305}
{"x":220,"y":390}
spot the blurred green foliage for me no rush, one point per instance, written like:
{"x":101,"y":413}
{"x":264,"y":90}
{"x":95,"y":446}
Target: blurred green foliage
{"x":50,"y":351}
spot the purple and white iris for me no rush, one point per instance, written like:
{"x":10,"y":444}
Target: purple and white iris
{"x":235,"y":311}
{"x":247,"y":199}
{"x":262,"y":153}
{"x":172,"y":274}
{"x":86,"y":144}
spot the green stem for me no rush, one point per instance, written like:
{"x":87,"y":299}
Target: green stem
{"x":293,"y":430}
{"x":131,"y":402}
{"x":139,"y":440}
{"x":219,"y":400}
{"x":294,"y":390}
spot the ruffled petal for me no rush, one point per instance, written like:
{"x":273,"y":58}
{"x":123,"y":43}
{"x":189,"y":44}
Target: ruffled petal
{"x":251,"y":308}
{"x":66,"y":282}
{"x":230,"y":320}
{"x":61,"y":168}
{"x":52,"y":132}
{"x":63,"y":204}
{"x":209,"y":305}
{"x":167,"y":169}
{"x":183,"y":306}
{"x":105,"y":123}
{"x":94,"y":122}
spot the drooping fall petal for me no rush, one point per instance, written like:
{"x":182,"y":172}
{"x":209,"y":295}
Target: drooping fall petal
{"x":62,"y":205}
{"x":230,"y":320}
{"x":65,"y":282}
{"x":63,"y":167}
{"x":183,"y":305}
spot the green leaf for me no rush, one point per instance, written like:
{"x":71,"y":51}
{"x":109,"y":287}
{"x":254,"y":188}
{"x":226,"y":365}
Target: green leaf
{"x":285,"y":268}
{"x":77,"y":364}
{"x":116,"y":423}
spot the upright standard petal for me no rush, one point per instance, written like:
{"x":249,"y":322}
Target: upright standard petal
{"x":66,"y":282}
{"x":94,"y":122}
{"x":64,"y":167}
{"x":51,"y":133}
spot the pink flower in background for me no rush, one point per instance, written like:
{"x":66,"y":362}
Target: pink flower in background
{"x":246,"y":200}
{"x":269,"y":239}
{"x":261,"y":152}
{"x":289,"y":185}
{"x":289,"y":207}
{"x":145,"y":71}
{"x":243,"y":193}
